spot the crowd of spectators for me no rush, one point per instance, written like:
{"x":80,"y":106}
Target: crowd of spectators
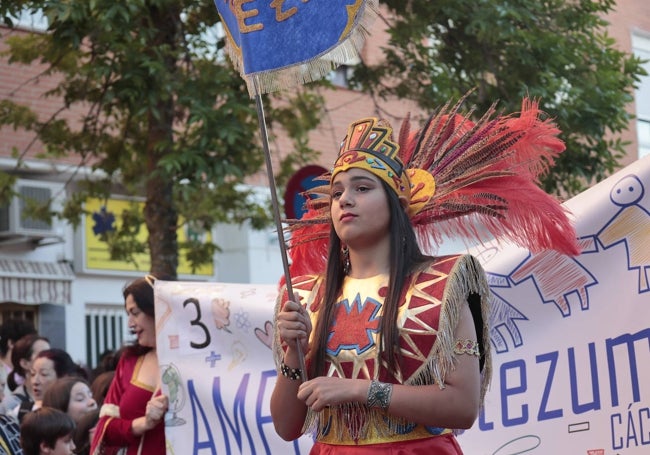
{"x":48,"y":402}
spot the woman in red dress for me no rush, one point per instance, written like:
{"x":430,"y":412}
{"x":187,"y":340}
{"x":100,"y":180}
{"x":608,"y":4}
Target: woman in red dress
{"x":132,"y":415}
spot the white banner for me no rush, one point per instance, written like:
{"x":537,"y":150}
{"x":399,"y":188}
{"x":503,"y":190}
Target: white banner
{"x":214,"y":348}
{"x":570,"y":336}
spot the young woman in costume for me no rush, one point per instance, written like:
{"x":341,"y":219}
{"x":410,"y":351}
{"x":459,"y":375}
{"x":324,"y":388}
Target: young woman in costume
{"x":396,"y":341}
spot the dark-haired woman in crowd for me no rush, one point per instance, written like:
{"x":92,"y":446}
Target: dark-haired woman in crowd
{"x":132,"y":416}
{"x":100,"y":386}
{"x":48,"y":366}
{"x":12,"y":330}
{"x":24,"y":352}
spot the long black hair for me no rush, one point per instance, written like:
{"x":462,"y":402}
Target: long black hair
{"x":405,"y":258}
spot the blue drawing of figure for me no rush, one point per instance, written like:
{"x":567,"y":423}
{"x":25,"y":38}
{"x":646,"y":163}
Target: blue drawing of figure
{"x":503,"y":317}
{"x":103,"y":221}
{"x":630,"y":226}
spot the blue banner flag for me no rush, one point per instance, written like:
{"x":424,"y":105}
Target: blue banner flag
{"x":283,"y":43}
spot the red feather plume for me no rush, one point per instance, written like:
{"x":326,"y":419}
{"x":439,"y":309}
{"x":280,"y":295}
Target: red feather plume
{"x":486,"y":180}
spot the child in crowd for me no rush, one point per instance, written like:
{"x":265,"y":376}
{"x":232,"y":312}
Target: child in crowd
{"x":47,"y":431}
{"x":71,"y":395}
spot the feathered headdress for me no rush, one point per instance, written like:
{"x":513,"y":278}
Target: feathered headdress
{"x":461,"y":178}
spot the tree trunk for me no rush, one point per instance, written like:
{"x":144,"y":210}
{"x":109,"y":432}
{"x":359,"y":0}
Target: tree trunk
{"x":162,"y":220}
{"x":160,"y":214}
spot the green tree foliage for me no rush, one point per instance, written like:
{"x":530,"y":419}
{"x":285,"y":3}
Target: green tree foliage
{"x":164,"y":116}
{"x":168,"y":118}
{"x":556,"y":50}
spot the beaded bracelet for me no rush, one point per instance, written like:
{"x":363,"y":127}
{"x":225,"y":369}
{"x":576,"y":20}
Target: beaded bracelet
{"x":467,"y":347}
{"x":379,"y":394}
{"x":292,"y":373}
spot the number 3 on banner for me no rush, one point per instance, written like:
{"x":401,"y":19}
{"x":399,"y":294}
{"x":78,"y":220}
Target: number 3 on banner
{"x":197,"y":322}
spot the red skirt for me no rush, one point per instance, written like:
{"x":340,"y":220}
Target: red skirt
{"x":445,"y":444}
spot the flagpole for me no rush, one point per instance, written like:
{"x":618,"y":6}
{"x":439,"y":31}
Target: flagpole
{"x":276,"y":210}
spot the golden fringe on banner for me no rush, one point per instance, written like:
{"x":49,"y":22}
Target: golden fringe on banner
{"x":314,"y":69}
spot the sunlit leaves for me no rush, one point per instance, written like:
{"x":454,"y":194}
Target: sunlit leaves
{"x":555,"y":50}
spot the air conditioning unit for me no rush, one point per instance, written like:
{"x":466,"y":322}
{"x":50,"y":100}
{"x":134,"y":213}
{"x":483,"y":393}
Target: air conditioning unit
{"x":14,"y":223}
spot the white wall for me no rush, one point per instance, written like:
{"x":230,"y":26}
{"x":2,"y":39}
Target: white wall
{"x":247,"y":256}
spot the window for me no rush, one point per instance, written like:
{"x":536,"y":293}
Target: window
{"x":106,"y":330}
{"x":641,"y":48}
{"x":17,"y":311}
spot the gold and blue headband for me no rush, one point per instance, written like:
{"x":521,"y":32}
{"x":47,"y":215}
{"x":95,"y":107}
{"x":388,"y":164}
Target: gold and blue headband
{"x":369,"y":145}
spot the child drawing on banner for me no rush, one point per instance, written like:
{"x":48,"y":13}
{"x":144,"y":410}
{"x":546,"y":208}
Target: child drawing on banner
{"x":221,"y":314}
{"x":562,"y":277}
{"x":171,"y":378}
{"x":630,"y":226}
{"x":396,"y":341}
